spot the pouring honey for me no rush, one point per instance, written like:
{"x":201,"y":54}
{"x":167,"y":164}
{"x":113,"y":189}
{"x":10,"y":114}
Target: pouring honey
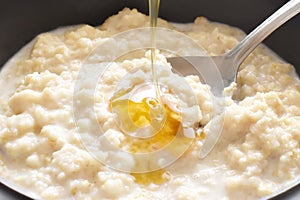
{"x":148,"y":114}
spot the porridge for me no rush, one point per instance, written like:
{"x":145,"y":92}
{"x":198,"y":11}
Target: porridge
{"x":43,"y":134}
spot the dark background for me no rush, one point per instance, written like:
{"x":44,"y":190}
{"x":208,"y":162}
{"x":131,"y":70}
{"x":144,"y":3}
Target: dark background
{"x":21,"y":20}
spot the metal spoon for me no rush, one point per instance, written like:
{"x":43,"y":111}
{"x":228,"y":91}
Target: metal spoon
{"x":221,"y":71}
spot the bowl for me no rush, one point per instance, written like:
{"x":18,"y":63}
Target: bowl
{"x":21,"y":21}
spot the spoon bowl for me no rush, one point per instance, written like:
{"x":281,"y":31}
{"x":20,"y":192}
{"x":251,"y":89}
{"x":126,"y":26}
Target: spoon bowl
{"x":228,"y":63}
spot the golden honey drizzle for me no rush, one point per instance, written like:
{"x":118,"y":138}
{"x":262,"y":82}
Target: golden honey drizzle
{"x":133,"y":115}
{"x":153,"y":9}
{"x":156,"y":177}
{"x":138,"y":114}
{"x":157,"y":110}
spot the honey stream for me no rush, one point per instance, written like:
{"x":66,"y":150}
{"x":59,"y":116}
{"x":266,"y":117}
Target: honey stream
{"x":159,"y":176}
{"x":134,"y":116}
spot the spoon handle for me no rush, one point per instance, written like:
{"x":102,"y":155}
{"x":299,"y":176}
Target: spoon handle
{"x":249,"y":43}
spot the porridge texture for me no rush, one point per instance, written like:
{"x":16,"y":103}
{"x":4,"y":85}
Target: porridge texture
{"x":41,"y":150}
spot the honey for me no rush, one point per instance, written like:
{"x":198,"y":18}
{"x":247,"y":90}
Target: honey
{"x":157,"y":177}
{"x":135,"y":116}
{"x":149,"y":124}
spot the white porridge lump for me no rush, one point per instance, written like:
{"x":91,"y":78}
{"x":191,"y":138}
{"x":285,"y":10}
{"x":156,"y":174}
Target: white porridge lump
{"x":41,"y":149}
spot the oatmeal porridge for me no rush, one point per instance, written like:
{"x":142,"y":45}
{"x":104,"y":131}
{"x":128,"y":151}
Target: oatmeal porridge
{"x":43,"y":140}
